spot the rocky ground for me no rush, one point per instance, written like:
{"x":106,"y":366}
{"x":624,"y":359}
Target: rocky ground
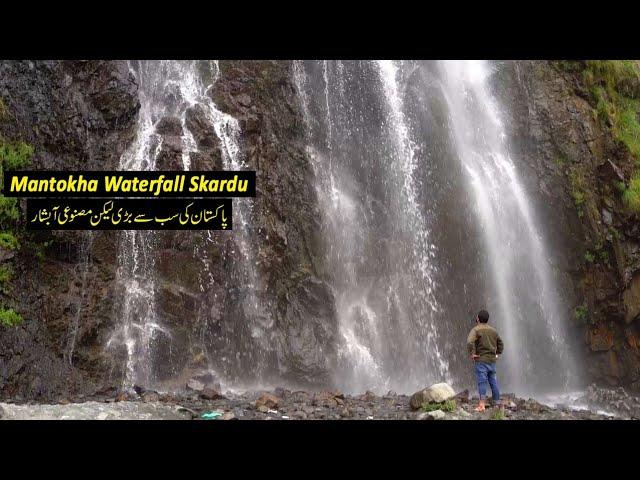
{"x":205,"y":403}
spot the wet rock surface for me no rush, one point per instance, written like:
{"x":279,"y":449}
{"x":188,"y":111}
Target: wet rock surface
{"x":572,"y":162}
{"x":82,"y":116}
{"x":285,"y":404}
{"x":617,"y":401}
{"x":77,"y":115}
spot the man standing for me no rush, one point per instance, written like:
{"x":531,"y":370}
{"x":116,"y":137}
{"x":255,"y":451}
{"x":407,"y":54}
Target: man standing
{"x":485,"y":345}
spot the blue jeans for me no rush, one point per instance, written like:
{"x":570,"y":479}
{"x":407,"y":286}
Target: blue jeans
{"x":486,"y":374}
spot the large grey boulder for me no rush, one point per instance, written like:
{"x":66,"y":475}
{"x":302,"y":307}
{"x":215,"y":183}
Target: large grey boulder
{"x":437,"y":393}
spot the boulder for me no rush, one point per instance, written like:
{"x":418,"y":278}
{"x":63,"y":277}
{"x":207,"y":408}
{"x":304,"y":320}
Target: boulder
{"x":463,"y":396}
{"x":267,"y":400}
{"x":437,"y":393}
{"x":368,"y":396}
{"x":210,"y":394}
{"x":195,"y":385}
{"x":208,"y":379}
{"x":328,"y":399}
{"x":150,"y":396}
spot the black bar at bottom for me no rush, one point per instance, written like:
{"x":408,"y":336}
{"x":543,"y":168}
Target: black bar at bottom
{"x":129,"y":214}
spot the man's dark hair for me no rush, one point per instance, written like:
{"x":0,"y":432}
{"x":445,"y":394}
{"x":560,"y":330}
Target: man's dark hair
{"x":483,"y":316}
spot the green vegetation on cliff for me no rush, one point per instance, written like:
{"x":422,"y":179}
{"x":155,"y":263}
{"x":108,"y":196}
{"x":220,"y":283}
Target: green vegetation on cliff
{"x":13,"y":155}
{"x":581,"y":313}
{"x":631,"y":194}
{"x":9,"y":318}
{"x":615,"y":88}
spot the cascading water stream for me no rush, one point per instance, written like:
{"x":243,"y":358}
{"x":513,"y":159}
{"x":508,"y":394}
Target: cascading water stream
{"x":386,"y":139}
{"x":83,"y":267}
{"x":527,"y":300}
{"x":135,"y":275}
{"x":171,"y":89}
{"x":378,"y":245}
{"x":423,"y":251}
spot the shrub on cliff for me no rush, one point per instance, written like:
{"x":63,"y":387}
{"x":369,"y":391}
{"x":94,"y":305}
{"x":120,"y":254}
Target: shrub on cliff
{"x":615,"y":88}
{"x":9,"y":318}
{"x":13,"y":155}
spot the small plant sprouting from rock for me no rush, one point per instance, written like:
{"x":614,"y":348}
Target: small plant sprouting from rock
{"x":8,"y":241}
{"x":5,"y":276}
{"x":598,"y":254}
{"x":581,"y":313}
{"x":578,"y":188}
{"x":561,"y":161}
{"x":446,"y":406}
{"x":39,"y":248}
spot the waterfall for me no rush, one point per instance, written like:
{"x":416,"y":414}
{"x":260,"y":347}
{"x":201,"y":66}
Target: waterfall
{"x":426,"y":222}
{"x":379,"y":250}
{"x":527,"y":302}
{"x":138,"y":324}
{"x":173,"y":90}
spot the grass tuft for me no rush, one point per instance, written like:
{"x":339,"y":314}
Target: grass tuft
{"x":446,"y":406}
{"x":497,"y":414}
{"x":615,"y":88}
{"x":631,"y":195}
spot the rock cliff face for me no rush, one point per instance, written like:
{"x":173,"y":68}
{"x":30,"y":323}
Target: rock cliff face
{"x":76,"y":115}
{"x":82,"y":115}
{"x":294,"y":310}
{"x":577,"y":163}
